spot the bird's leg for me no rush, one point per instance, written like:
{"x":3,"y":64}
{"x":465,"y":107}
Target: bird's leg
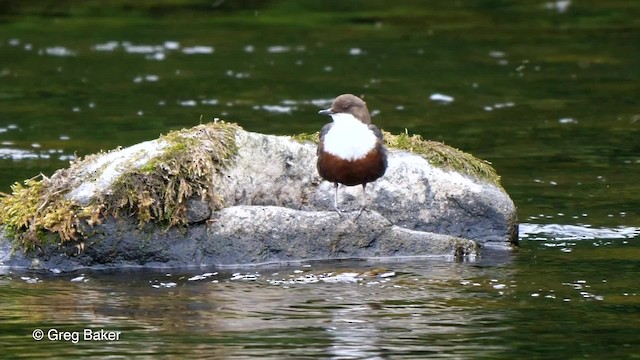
{"x":364,"y":199}
{"x":335,"y":199}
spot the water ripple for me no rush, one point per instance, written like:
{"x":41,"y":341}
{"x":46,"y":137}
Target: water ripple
{"x":153,"y":52}
{"x":575,"y":232}
{"x":442,"y":98}
{"x":57,"y":51}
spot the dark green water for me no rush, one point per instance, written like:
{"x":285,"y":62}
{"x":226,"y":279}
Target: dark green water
{"x":546,"y":91}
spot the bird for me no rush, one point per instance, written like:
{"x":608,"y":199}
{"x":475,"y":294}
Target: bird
{"x":351,"y":149}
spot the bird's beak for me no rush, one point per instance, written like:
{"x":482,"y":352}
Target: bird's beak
{"x":326,"y":112}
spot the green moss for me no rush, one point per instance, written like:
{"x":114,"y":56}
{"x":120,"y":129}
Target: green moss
{"x":32,"y":209}
{"x":443,"y":156}
{"x":158,"y":192}
{"x":437,"y":153}
{"x":306,"y":137}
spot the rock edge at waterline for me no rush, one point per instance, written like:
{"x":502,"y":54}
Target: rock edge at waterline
{"x":218,"y":195}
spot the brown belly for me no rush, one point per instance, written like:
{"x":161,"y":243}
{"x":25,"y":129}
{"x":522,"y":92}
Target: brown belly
{"x":362,"y":171}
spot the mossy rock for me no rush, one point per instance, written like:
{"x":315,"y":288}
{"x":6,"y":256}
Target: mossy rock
{"x":152,"y":183}
{"x":428,"y":188}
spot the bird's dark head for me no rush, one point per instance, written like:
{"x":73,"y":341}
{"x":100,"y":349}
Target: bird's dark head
{"x":349,"y":104}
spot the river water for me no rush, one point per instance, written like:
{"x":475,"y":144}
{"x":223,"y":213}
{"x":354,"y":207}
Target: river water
{"x":545,"y":90}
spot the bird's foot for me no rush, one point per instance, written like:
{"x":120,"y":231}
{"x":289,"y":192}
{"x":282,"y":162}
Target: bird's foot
{"x":360,"y":211}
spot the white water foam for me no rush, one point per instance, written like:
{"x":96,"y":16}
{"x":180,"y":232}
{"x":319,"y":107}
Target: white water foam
{"x":574,"y":232}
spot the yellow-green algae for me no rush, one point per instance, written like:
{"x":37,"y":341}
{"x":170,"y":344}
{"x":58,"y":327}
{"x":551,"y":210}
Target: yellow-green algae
{"x":157,"y":192}
{"x":436,"y":153}
{"x":444,"y":156}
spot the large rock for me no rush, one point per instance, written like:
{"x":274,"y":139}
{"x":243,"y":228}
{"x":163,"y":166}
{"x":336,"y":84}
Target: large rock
{"x":270,"y":205}
{"x":276,"y":170}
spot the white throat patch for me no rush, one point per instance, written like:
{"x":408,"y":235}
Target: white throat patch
{"x":349,"y":138}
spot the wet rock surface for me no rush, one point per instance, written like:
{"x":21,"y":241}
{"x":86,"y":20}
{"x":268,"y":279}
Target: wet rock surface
{"x":247,"y":235}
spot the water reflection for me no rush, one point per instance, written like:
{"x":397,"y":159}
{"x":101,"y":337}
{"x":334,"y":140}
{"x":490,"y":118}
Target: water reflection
{"x":349,"y":309}
{"x":358,"y":311}
{"x":353,"y":336}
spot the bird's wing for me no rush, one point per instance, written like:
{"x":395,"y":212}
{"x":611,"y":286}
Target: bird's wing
{"x":325,"y":129}
{"x":376,"y":131}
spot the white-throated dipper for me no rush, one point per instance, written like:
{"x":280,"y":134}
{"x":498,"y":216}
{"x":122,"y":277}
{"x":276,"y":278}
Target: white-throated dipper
{"x":351,"y":150}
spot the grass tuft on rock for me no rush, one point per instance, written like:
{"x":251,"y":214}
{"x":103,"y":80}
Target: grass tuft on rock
{"x":160,"y":190}
{"x":37,"y":207}
{"x":443,"y":156}
{"x":156,"y":192}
